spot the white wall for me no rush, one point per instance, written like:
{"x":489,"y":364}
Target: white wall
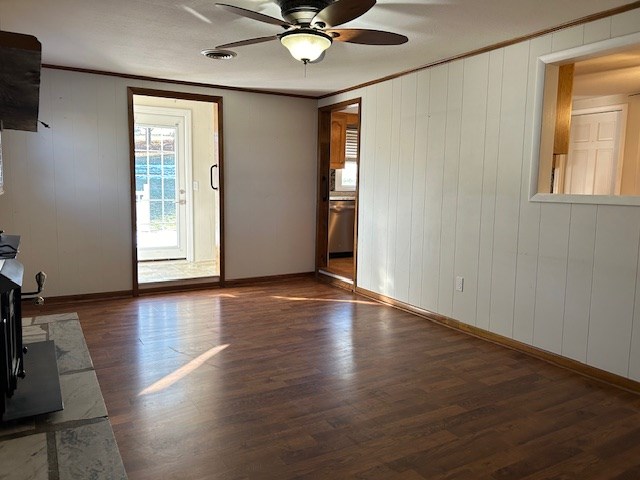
{"x":445,"y":173}
{"x":67,"y":189}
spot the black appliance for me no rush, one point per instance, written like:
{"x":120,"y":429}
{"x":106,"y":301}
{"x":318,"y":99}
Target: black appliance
{"x":29,"y":381}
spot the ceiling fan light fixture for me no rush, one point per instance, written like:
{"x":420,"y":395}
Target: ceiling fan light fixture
{"x":306,"y":44}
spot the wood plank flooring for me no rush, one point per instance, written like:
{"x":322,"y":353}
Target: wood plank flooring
{"x":302,"y":380}
{"x":342,"y":266}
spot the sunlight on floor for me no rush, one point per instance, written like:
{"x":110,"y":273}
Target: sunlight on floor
{"x":332,"y":300}
{"x":342,"y":266}
{"x":168,"y":270}
{"x":182,"y":372}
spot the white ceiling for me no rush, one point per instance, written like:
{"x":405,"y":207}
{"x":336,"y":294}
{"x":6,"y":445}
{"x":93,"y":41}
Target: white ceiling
{"x":163,"y":38}
{"x":613,"y":74}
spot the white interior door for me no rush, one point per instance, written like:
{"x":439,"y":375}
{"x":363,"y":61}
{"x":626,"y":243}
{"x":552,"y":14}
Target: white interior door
{"x":161,"y":153}
{"x":593,"y":164}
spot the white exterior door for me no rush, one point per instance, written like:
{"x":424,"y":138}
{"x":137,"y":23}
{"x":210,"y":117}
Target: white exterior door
{"x":161,"y":193}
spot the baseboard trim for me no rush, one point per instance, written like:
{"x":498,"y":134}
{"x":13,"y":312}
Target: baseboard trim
{"x":85,"y":297}
{"x":333,"y":280}
{"x":174,"y":288}
{"x":177,"y":287}
{"x":251,"y":281}
{"x":553,"y":358}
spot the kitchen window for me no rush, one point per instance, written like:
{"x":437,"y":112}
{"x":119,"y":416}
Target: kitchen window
{"x":347,"y":177}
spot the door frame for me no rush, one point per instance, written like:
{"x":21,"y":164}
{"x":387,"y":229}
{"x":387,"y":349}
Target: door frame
{"x":217,"y":100}
{"x":322,"y":203}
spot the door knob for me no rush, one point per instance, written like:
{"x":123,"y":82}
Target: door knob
{"x":181,"y":202}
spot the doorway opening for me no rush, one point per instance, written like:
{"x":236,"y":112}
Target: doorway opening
{"x":176,"y":170}
{"x":339,"y":132}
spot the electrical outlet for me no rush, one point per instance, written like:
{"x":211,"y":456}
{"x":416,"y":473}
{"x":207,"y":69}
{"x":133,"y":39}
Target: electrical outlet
{"x":196,"y":186}
{"x":459,"y":284}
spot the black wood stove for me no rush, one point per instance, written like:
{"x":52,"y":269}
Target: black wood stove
{"x":11,"y":348}
{"x":29,"y":382}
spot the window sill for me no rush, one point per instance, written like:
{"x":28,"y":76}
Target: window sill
{"x":586,"y":199}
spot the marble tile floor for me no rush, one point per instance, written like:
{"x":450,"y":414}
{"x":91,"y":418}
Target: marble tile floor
{"x":75,"y":443}
{"x":169,"y":270}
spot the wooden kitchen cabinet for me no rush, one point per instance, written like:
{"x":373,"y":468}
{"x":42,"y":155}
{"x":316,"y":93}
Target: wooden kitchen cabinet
{"x":339,"y":123}
{"x":338,"y":139}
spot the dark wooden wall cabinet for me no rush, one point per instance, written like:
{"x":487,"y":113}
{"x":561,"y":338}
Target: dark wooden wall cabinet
{"x":339,"y":123}
{"x":20,"y":64}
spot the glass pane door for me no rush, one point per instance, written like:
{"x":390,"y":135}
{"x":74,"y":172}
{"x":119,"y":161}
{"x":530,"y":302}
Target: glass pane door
{"x":159,"y":196}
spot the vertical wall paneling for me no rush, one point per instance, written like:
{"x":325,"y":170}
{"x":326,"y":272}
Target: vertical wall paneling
{"x":488,"y":197}
{"x":269,"y":183}
{"x":450,"y":187}
{"x":614,"y":287}
{"x":577,"y":296}
{"x":34,"y":196}
{"x":529,"y":221}
{"x":625,"y":23}
{"x":255,"y":216}
{"x":42,"y":239}
{"x":418,"y":188}
{"x":393,"y":213}
{"x":562,"y":277}
{"x":112,"y":231}
{"x":634,"y":347}
{"x":552,"y":273}
{"x":405,"y":183}
{"x":366,"y":189}
{"x":438,"y":91}
{"x":16,"y":173}
{"x":63,"y":155}
{"x":123,"y":185}
{"x":380,"y":223}
{"x":567,"y":38}
{"x":86,"y":146}
{"x":597,"y":31}
{"x":508,"y":185}
{"x":472,"y":135}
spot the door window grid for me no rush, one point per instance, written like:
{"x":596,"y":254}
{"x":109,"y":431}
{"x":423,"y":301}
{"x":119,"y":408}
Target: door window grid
{"x":155,"y":172}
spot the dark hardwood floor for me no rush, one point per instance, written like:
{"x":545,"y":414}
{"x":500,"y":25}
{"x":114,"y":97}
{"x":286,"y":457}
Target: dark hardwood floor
{"x":342,"y":266}
{"x":302,"y":380}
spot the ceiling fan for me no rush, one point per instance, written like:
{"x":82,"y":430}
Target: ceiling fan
{"x":309,"y":26}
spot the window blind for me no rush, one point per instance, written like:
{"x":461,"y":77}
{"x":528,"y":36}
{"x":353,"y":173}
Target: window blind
{"x":351,"y":146}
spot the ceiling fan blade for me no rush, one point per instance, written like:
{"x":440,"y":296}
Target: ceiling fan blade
{"x":253,"y":15}
{"x":342,"y":11}
{"x":366,"y":37}
{"x":250,"y":41}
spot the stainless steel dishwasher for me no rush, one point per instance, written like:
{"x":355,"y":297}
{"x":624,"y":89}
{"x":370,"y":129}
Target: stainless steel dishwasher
{"x":341,"y":223}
